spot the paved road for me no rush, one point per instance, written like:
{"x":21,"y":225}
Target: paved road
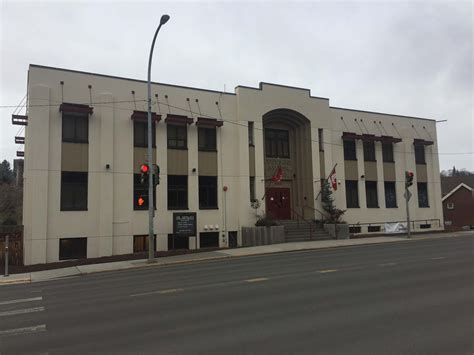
{"x":404,"y":298}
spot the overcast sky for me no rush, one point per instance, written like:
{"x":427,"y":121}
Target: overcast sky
{"x":405,"y":58}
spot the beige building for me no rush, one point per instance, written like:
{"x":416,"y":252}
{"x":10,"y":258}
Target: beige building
{"x":85,"y":140}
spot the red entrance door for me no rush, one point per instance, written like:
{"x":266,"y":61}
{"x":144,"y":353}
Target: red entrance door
{"x":278,"y":202}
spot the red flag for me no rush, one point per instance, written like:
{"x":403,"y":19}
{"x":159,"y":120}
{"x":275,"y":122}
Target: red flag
{"x":332,"y":179}
{"x":278,"y":175}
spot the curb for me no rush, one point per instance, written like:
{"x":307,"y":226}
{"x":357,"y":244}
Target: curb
{"x":15,"y":281}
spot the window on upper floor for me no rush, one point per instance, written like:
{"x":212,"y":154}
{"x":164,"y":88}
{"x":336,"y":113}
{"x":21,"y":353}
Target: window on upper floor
{"x":350,"y":149}
{"x":177,"y":136}
{"x":75,"y":128}
{"x":252,"y":188}
{"x":321,"y":139}
{"x":74,"y":191}
{"x":207,"y":138}
{"x":277,"y":143}
{"x":369,"y":151}
{"x":140,"y":134}
{"x":387,"y":152}
{"x":420,"y":154}
{"x":251,"y":134}
{"x":371,"y":194}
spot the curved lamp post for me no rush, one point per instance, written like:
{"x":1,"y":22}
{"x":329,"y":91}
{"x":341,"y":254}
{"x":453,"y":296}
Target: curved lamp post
{"x":151,"y":211}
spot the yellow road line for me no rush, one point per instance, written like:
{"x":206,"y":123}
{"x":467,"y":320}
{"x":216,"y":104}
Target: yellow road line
{"x":259,"y":279}
{"x":327,"y":271}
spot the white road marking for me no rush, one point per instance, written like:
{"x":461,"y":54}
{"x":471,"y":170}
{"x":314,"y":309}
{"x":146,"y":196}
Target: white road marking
{"x":438,"y":258}
{"x":161,"y":292}
{"x":26,"y":330}
{"x":327,"y":271}
{"x":21,"y":311}
{"x":259,"y":279}
{"x":388,"y":264}
{"x":22,"y":300}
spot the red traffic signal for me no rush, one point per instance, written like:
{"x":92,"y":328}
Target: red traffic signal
{"x":409,"y":178}
{"x":144,"y":168}
{"x":140,"y":201}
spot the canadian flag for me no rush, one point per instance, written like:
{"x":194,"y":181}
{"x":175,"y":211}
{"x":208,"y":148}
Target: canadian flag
{"x":278,"y":175}
{"x":332,"y":179}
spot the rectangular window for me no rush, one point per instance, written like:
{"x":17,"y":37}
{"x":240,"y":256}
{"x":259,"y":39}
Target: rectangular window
{"x":233,"y":243}
{"x":422,"y":194}
{"x":387,"y":152}
{"x":177,"y":136}
{"x":450,"y":205}
{"x":140,"y":134}
{"x":176,"y":242}
{"x":425,"y":226}
{"x":390,"y":194}
{"x":140,"y":194}
{"x":369,"y":151}
{"x":74,"y":191}
{"x":277,"y":144}
{"x":177,"y":192}
{"x":321,"y":139}
{"x":251,"y":141}
{"x":207,"y":139}
{"x":350,"y":150}
{"x":252,"y":188}
{"x":355,"y":229}
{"x":420,"y":154}
{"x":208,"y":192}
{"x":371,"y":194}
{"x":352,"y":194}
{"x":372,"y":229}
{"x":72,"y":248}
{"x":75,"y":128}
{"x":209,"y":240}
{"x":140,"y":243}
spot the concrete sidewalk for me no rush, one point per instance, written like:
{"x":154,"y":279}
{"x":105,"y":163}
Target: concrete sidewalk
{"x":214,"y":255}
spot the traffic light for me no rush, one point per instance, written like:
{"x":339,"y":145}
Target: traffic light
{"x":156,"y":175}
{"x":408,"y":178}
{"x":140,"y":201}
{"x":144,"y":174}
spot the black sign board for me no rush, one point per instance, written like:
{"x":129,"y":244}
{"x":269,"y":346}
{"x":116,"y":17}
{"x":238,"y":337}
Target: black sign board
{"x":184,"y":224}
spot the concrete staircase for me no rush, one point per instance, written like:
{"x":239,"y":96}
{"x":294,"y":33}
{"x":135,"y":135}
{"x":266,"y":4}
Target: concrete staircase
{"x":295,"y":232}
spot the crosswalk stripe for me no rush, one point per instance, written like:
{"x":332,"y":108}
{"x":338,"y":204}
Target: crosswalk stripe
{"x":26,"y":330}
{"x":22,"y":300}
{"x":21,"y":311}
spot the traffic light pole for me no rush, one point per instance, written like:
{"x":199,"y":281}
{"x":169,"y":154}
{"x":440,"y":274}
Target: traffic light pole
{"x":408,"y":211}
{"x":151,"y":211}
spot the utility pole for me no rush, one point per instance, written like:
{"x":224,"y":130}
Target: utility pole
{"x":6,"y":255}
{"x":151,"y":211}
{"x":408,"y":182}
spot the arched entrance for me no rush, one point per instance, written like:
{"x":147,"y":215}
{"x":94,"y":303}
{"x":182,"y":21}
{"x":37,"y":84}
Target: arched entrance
{"x":288,"y":158}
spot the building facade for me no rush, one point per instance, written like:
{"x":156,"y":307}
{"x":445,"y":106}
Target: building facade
{"x":458,"y":202}
{"x":86,"y":138}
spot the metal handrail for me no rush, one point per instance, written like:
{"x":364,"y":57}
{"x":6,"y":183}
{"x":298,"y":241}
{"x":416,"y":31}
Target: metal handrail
{"x":302,"y":217}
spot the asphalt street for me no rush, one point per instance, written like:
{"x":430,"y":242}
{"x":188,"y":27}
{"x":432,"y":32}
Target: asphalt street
{"x":412,"y":297}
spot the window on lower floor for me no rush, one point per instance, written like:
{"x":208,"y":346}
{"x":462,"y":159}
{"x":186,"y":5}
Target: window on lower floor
{"x":422,"y":194}
{"x":352,"y":194}
{"x":140,"y":243}
{"x":369,"y":151}
{"x":350,"y":150}
{"x":371,"y":194}
{"x":425,"y":226}
{"x":140,"y":194}
{"x":177,"y":192}
{"x":355,"y":229}
{"x":372,"y":229}
{"x":207,"y":138}
{"x":72,"y":248}
{"x":177,"y":242}
{"x":209,"y":240}
{"x":208,"y":192}
{"x":233,"y":243}
{"x":390,"y":194}
{"x":74,"y":191}
{"x":252,"y":188}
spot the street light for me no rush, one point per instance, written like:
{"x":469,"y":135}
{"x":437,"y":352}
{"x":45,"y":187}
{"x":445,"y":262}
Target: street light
{"x":151,"y":212}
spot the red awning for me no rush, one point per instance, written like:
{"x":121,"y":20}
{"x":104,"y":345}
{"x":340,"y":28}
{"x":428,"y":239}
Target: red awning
{"x":20,"y":120}
{"x":209,"y":122}
{"x":75,"y":108}
{"x":417,"y":141}
{"x":178,"y":119}
{"x":370,"y":138}
{"x":142,"y":116}
{"x":19,"y":140}
{"x":20,"y":153}
{"x":350,"y":135}
{"x":390,"y":139}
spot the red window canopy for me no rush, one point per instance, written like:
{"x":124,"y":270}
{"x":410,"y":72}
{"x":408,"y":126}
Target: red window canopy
{"x":142,"y":116}
{"x":20,"y":153}
{"x":390,"y":139}
{"x":350,"y":136}
{"x":370,"y":137}
{"x":20,"y":120}
{"x":178,"y":119}
{"x":76,"y":108}
{"x":209,"y":122}
{"x":417,"y":141}
{"x":19,"y":140}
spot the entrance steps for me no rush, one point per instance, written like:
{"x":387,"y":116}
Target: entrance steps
{"x":303,"y":231}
